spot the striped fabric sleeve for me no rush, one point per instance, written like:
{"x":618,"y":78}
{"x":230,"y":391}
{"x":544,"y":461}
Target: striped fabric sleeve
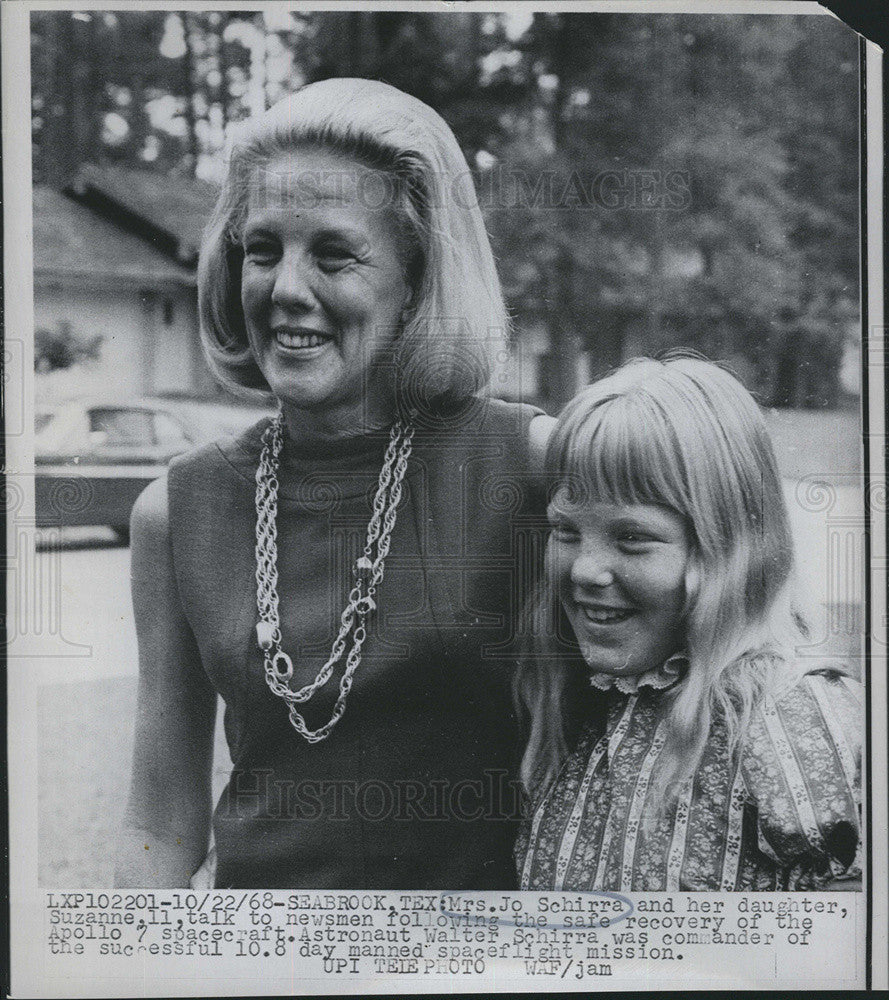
{"x":802,"y":771}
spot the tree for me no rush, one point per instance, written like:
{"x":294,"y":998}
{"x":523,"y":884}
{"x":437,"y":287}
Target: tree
{"x":698,"y":241}
{"x":58,"y":349}
{"x":649,"y":180}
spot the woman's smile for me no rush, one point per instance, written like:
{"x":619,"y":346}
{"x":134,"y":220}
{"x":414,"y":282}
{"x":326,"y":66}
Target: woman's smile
{"x":300,"y":340}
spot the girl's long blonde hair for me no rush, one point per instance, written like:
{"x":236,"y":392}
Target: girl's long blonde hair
{"x":680,"y":432}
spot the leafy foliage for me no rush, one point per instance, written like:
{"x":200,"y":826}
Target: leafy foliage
{"x":58,"y":349}
{"x":649,"y":180}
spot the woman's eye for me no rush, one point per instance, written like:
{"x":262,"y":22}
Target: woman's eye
{"x":334,"y":258}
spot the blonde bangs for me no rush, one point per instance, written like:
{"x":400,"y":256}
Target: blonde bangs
{"x":597,"y":453}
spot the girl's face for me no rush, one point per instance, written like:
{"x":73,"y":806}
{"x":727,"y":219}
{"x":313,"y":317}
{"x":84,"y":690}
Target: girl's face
{"x":322,"y":283}
{"x":620,"y":575}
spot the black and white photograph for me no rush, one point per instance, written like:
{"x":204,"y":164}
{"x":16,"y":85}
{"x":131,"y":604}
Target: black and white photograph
{"x":445,"y":498}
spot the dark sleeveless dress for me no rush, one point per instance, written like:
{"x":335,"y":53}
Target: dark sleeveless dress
{"x":415,"y":786}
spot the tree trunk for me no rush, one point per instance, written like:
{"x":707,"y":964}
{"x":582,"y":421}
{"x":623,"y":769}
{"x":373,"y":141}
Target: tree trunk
{"x":564,"y":343}
{"x":56,"y":153}
{"x":222,"y":68}
{"x":655,"y":281}
{"x":188,"y":90}
{"x":70,"y":112}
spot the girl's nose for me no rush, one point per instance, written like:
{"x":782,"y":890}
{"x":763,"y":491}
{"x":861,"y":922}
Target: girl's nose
{"x":293,"y":287}
{"x":588,"y":570}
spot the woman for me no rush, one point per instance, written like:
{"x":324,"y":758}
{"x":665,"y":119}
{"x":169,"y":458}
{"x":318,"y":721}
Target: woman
{"x":345,"y":575}
{"x":676,"y":743}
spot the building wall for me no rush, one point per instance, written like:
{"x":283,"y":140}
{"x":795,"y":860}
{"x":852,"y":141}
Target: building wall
{"x":171,"y":326}
{"x":148,"y":340}
{"x":517,"y":370}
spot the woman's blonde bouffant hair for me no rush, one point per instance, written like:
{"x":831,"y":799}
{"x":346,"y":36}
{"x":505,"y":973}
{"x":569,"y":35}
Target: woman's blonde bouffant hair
{"x":457,"y":322}
{"x":684,"y":433}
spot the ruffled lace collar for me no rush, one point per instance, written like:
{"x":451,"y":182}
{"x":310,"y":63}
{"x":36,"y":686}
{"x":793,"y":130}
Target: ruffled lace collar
{"x":658,"y":678}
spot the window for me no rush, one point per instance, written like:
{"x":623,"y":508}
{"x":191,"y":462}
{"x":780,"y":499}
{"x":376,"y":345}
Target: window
{"x":123,"y":428}
{"x":168,"y":433}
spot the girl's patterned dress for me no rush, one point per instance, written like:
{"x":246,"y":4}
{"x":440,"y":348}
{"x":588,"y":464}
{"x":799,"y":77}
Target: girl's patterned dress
{"x":784,"y":815}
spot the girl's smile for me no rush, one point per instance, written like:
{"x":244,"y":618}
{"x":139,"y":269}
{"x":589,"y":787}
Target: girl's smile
{"x":620,"y":572}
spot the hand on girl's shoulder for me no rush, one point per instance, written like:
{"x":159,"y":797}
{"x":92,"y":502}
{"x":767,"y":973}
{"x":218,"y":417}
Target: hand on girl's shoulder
{"x":801,"y":767}
{"x":540,"y":430}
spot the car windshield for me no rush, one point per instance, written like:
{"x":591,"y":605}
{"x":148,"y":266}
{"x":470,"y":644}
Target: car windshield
{"x":123,"y":428}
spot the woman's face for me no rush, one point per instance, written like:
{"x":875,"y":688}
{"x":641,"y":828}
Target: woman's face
{"x":322,"y":283}
{"x":620,"y":575}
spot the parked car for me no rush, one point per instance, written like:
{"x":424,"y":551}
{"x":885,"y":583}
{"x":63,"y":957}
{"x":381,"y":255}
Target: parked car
{"x":93,"y":457}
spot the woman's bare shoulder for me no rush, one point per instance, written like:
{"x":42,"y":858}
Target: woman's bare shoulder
{"x":151,"y":513}
{"x":151,"y":561}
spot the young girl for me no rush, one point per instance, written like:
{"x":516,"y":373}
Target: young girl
{"x":676,"y":743}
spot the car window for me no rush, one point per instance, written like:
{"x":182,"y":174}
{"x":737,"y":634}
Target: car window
{"x":123,"y":428}
{"x":167,"y":432}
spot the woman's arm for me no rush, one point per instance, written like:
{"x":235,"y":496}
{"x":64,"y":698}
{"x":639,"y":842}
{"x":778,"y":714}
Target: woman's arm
{"x":167,"y":821}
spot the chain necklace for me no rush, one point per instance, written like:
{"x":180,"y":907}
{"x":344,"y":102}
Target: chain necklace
{"x":368,"y":573}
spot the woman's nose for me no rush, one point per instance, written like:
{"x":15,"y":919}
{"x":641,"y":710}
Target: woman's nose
{"x":591,"y":569}
{"x":293,"y":287}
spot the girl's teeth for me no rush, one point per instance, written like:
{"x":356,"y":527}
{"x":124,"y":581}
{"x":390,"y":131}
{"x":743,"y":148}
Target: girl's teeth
{"x":605,"y":616}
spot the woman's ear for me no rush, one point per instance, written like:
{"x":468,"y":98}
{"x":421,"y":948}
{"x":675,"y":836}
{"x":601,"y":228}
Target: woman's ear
{"x":407,"y":301}
{"x":407,"y":309}
{"x":692,"y":581}
{"x":413,"y":296}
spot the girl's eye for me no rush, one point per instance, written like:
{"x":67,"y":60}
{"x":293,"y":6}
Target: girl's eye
{"x":635,"y":540}
{"x":563,"y":532}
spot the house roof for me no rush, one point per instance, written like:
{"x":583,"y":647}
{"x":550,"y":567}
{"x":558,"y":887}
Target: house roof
{"x":171,"y":211}
{"x":73,"y":242}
